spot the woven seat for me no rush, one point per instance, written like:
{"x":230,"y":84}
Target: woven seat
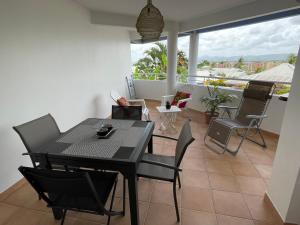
{"x":157,"y":172}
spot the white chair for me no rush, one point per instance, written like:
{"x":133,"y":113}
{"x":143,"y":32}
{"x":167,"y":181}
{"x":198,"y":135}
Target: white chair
{"x":182,"y":88}
{"x":115,"y":96}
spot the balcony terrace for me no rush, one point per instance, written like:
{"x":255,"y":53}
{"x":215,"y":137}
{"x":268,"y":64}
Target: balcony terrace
{"x":216,"y":189}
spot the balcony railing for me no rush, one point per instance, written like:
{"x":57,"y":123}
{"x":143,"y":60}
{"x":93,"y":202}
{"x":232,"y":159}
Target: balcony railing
{"x":230,"y":82}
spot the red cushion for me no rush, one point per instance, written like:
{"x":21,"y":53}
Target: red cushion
{"x":122,"y":101}
{"x":180,"y":95}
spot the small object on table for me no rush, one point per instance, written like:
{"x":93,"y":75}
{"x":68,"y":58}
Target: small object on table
{"x":168,"y":105}
{"x":105,"y":131}
{"x":168,"y":117}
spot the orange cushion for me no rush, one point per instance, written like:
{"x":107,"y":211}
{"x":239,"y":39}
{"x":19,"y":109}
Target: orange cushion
{"x":122,"y":101}
{"x":180,"y":95}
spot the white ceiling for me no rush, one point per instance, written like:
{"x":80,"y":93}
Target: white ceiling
{"x":174,"y":10}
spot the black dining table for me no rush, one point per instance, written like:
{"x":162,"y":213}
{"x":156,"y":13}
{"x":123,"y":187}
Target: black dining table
{"x":122,"y":151}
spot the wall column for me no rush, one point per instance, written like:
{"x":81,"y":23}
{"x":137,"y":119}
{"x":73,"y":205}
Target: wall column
{"x":284,"y":187}
{"x":172,"y":61}
{"x":193,"y":53}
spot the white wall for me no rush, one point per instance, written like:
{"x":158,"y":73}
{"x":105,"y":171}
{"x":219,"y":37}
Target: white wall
{"x":155,"y":89}
{"x":52,"y":59}
{"x":284,"y":185}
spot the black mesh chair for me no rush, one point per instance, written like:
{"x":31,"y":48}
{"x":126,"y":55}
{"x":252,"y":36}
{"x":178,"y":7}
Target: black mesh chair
{"x":166,"y":168}
{"x":248,"y":116}
{"x":126,"y":112}
{"x":82,"y":191}
{"x":36,"y":133}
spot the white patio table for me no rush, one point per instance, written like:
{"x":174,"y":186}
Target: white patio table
{"x":168,"y":117}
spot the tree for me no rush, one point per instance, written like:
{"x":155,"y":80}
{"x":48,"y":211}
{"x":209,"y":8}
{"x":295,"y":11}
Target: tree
{"x":292,"y":58}
{"x":203,"y":63}
{"x":156,"y":61}
{"x":240,"y":63}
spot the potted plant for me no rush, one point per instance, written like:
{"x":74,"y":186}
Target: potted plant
{"x":215,"y":99}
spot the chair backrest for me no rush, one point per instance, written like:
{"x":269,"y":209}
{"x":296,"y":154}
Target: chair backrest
{"x":38,"y":132}
{"x":131,"y":88}
{"x":255,"y":100}
{"x":115,"y":95}
{"x":126,"y":112}
{"x":184,"y":140}
{"x":70,"y":189}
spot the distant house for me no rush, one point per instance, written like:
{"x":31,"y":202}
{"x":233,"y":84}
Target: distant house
{"x":281,"y":73}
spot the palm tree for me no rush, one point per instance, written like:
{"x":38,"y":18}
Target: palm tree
{"x":158,"y":55}
{"x":156,"y":61}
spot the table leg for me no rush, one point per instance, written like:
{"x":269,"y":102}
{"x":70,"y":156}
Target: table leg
{"x":133,"y":199}
{"x":150,"y":145}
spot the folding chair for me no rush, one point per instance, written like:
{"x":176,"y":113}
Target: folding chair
{"x":249,"y":115}
{"x":82,"y":191}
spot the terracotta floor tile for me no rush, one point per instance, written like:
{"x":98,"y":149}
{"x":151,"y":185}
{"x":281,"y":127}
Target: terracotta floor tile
{"x":195,"y":178}
{"x":259,"y":157}
{"x":218,"y":166}
{"x":145,"y":189}
{"x":12,"y":189}
{"x":261,"y":209}
{"x":161,"y":214}
{"x":264,"y":170}
{"x":191,"y":217}
{"x":163,"y":193}
{"x":223,"y":182}
{"x":229,"y":220}
{"x":194,"y":153}
{"x":193,"y":164}
{"x":251,"y":185}
{"x":28,"y":198}
{"x":197,"y":199}
{"x":256,"y":222}
{"x":125,"y":220}
{"x":32,"y":217}
{"x":7,"y":211}
{"x":242,"y":169}
{"x":231,"y":204}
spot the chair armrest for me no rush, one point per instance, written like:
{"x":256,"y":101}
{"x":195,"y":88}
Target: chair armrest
{"x":136,"y":100}
{"x":161,"y":164}
{"x":166,"y":137}
{"x":167,"y":96}
{"x":184,"y":100}
{"x":227,"y":107}
{"x":256,"y":116}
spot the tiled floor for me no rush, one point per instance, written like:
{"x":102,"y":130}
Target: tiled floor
{"x":217,"y":189}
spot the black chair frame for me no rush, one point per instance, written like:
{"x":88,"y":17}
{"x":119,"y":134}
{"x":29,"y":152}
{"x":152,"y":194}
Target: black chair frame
{"x":43,"y":157}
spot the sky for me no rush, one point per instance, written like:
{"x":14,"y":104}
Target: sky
{"x":273,"y":37}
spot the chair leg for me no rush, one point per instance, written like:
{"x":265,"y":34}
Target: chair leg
{"x":179,"y":182}
{"x":175,"y":200}
{"x":124,"y":195}
{"x":112,"y":202}
{"x":63,"y":217}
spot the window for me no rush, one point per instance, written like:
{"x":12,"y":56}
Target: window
{"x":264,"y":51}
{"x":230,"y":57}
{"x":149,"y":61}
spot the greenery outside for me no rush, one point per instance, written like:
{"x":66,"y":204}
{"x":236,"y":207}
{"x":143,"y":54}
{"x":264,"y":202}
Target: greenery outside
{"x":154,"y":65}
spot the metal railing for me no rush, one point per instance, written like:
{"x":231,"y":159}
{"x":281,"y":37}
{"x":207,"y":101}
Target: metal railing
{"x":202,"y":79}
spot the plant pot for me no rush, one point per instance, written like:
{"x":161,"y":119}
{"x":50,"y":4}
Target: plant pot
{"x":209,"y":117}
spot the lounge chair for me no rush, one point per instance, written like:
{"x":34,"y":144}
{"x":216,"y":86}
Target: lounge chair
{"x":249,"y":116}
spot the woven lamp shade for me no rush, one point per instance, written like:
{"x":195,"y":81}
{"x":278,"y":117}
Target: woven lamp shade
{"x":150,"y":22}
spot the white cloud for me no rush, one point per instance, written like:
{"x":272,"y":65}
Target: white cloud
{"x":272,"y":37}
